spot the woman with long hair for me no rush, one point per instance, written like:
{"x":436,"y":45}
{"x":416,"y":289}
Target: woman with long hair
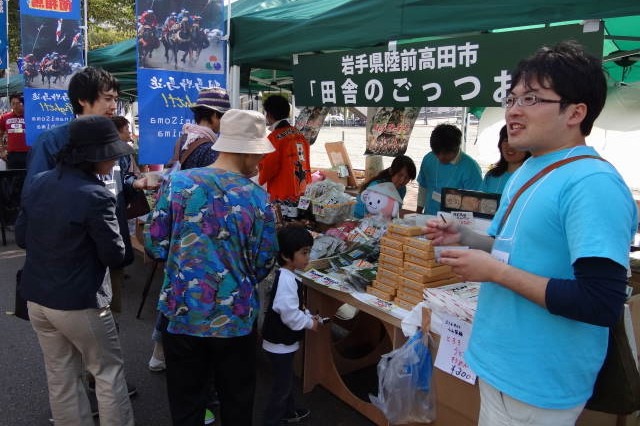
{"x":510,"y":159}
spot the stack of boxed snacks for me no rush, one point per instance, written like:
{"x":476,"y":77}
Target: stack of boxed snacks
{"x":407,"y":266}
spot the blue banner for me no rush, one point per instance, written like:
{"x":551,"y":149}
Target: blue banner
{"x":180,"y":52}
{"x":52,"y":49}
{"x":4,"y":40}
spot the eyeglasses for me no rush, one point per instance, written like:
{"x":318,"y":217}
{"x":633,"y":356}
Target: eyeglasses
{"x":527,"y":100}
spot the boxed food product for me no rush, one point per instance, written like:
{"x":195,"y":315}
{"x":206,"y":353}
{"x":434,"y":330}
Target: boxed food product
{"x":419,"y":252}
{"x":421,"y":242}
{"x":406,"y":230}
{"x":404,"y":304}
{"x":388,"y":277}
{"x":384,"y":287}
{"x":379,"y":293}
{"x":386,"y":259}
{"x":392,"y":251}
{"x":430,"y":263}
{"x":409,"y":296}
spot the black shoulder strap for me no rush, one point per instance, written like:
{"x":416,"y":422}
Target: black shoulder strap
{"x":537,"y":177}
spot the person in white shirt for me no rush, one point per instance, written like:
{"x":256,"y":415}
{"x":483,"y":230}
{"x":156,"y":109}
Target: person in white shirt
{"x":285,"y":323}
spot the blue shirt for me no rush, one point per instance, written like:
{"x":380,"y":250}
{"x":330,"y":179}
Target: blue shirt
{"x":495,"y":184}
{"x":216,"y":231}
{"x":360,"y":209}
{"x":433,"y":176}
{"x":517,"y":346}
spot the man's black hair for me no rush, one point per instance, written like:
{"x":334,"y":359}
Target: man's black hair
{"x":278,"y":106}
{"x":88,"y":84}
{"x":445,"y":138}
{"x":576,"y":76}
{"x":292,"y":238}
{"x":120,"y":122}
{"x":202,"y":113}
{"x":17,"y":96}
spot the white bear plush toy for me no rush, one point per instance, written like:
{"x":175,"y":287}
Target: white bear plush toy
{"x":382,"y":199}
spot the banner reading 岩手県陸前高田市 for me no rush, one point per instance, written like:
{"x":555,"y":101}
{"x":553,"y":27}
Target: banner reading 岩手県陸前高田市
{"x":52,"y":44}
{"x":180,"y":52}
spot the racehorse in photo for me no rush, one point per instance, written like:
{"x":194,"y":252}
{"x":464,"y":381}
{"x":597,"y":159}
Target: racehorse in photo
{"x":30,"y":73}
{"x":148,"y":41}
{"x":199,"y":40}
{"x":178,"y":38}
{"x":56,"y":68}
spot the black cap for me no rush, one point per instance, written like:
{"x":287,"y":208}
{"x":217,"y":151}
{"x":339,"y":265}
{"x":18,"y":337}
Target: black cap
{"x":95,"y":138}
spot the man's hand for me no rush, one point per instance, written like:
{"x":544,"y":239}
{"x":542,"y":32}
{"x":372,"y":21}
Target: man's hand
{"x":443,"y":233}
{"x":143,"y":183}
{"x":473,"y":265}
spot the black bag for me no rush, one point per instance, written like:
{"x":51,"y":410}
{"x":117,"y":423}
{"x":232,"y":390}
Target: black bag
{"x":137,"y":205}
{"x":20,"y":309}
{"x":617,"y":388}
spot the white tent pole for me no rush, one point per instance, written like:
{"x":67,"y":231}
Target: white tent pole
{"x":233,"y":72}
{"x":86,"y":32}
{"x":234,"y":79}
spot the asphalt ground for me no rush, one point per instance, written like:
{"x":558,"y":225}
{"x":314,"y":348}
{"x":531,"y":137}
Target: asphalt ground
{"x":23,"y":386}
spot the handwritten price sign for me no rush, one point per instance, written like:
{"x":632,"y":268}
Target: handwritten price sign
{"x":453,"y":343}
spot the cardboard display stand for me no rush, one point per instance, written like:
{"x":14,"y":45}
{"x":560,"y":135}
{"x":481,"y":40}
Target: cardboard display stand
{"x":338,"y":156}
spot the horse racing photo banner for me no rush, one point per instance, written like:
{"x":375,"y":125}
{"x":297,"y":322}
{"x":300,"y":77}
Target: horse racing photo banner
{"x":180,"y":52}
{"x":52,"y":49}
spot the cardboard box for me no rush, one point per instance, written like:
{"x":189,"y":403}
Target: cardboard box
{"x":384,"y":287}
{"x":421,"y":243}
{"x":392,"y":251}
{"x":379,"y":293}
{"x":418,"y":252}
{"x":404,"y":304}
{"x":333,"y":176}
{"x":406,"y":230}
{"x":390,"y":261}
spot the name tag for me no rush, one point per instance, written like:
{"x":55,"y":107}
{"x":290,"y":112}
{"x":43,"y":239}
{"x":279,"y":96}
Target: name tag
{"x":499,"y":255}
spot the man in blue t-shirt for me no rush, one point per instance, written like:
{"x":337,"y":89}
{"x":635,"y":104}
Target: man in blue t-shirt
{"x":553,"y":272}
{"x":446,"y":166}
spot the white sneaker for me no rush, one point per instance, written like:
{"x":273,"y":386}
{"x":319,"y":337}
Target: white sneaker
{"x":156,"y":364}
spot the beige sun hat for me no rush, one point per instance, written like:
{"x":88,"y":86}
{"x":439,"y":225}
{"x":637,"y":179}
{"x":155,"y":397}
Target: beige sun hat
{"x":243,"y":132}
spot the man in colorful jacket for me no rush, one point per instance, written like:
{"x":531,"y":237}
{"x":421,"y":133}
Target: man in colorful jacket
{"x":287,"y":171}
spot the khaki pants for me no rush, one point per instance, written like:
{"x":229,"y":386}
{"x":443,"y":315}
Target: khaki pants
{"x":67,"y":338}
{"x":499,"y":409}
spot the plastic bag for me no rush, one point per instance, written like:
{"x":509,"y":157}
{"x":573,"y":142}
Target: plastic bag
{"x":405,"y":394}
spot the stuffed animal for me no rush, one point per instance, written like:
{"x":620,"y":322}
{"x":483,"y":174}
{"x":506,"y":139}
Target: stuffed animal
{"x":382,"y":199}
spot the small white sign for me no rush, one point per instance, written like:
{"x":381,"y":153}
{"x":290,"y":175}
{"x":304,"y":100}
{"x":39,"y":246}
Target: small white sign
{"x":466,"y":218}
{"x":304,"y":203}
{"x":453,"y":343}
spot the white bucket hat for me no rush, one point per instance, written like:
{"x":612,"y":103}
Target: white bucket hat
{"x":243,"y":132}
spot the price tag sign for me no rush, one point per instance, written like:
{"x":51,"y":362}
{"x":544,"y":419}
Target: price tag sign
{"x":453,"y":342}
{"x":466,"y":218}
{"x":304,"y":203}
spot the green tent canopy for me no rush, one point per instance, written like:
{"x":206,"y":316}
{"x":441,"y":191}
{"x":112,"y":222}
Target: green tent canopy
{"x":266,"y":34}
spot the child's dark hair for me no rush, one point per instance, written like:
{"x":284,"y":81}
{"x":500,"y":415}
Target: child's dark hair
{"x":292,"y":238}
